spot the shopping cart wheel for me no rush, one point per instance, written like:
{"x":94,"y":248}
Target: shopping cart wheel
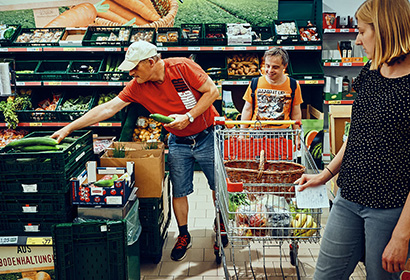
{"x":218,"y":258}
{"x":293,"y":253}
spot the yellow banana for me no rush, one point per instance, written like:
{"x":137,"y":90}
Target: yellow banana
{"x":309,"y":221}
{"x":311,"y":231}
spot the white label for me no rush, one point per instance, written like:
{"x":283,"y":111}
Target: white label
{"x":344,"y":30}
{"x":312,"y":197}
{"x":83,"y":83}
{"x":110,"y":49}
{"x":20,"y":83}
{"x":30,"y":209}
{"x":194,"y":48}
{"x":239,"y":48}
{"x":103,"y":228}
{"x":334,"y":64}
{"x":96,"y":191}
{"x":4,"y":49}
{"x":218,"y":48}
{"x":262,"y":48}
{"x":114,"y":200}
{"x":32,"y":228}
{"x":7,"y":240}
{"x":80,"y":156}
{"x":162,"y":49}
{"x":347,"y":64}
{"x":29,"y":188}
{"x":330,"y":30}
{"x":311,"y":48}
{"x":33,"y":49}
{"x":114,"y":83}
{"x":290,"y":48}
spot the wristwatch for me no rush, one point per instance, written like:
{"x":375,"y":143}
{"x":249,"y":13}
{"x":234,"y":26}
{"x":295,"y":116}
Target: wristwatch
{"x":190,"y":117}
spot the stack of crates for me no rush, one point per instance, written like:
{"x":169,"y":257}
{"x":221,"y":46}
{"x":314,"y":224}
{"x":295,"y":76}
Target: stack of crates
{"x":34,"y":186}
{"x":155,"y":217}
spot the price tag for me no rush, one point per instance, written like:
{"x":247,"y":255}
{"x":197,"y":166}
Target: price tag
{"x":311,"y":48}
{"x":35,"y":124}
{"x":30,"y":209}
{"x":20,"y":83}
{"x":69,"y":49}
{"x":347,"y":64}
{"x":194,"y":48}
{"x":29,"y":188}
{"x":52,"y":83}
{"x":162,"y":49}
{"x":239,"y":48}
{"x":311,"y":82}
{"x":334,"y":102}
{"x":110,"y":49}
{"x":288,"y":48}
{"x":227,"y":83}
{"x":218,"y":48}
{"x":7,"y":240}
{"x":4,"y":49}
{"x":114,"y":83}
{"x":334,"y":64}
{"x":34,"y":49}
{"x":262,"y":48}
{"x":346,"y":30}
{"x":83,"y":83}
{"x":330,"y":30}
{"x":39,"y":241}
{"x":105,"y":124}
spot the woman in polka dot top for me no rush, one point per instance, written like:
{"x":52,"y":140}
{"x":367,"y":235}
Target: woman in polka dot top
{"x":371,"y":213}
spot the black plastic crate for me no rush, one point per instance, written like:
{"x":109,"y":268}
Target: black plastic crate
{"x":38,"y":226}
{"x":168,"y":36}
{"x":215,"y":34}
{"x":310,"y":35}
{"x":306,"y":67}
{"x":109,"y":69}
{"x":142,"y":33}
{"x":34,"y":205}
{"x":52,"y":70}
{"x":192,"y":34}
{"x":214,"y":66}
{"x":38,"y":112}
{"x":54,"y":162}
{"x":287,"y":38}
{"x":39,"y":37}
{"x":84,"y":70}
{"x":90,"y":250}
{"x":262,"y":35}
{"x":42,"y":183}
{"x":9,"y":34}
{"x":107,"y":36}
{"x":25,"y":70}
{"x":66,"y":115}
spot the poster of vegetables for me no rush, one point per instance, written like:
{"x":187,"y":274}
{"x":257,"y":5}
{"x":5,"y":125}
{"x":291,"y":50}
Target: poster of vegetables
{"x":145,"y":13}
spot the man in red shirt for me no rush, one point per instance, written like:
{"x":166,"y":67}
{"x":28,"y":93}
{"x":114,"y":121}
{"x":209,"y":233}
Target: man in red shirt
{"x":175,"y":87}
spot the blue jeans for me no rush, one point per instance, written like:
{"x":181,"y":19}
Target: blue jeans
{"x":181,"y":161}
{"x":352,"y":230}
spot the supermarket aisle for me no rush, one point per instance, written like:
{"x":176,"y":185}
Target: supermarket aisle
{"x":200,"y":261}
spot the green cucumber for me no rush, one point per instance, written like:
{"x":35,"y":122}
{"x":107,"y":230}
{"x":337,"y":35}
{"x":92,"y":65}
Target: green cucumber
{"x":33,"y":141}
{"x":38,"y":148}
{"x":69,"y":140}
{"x":106,"y":183}
{"x":161,"y":118}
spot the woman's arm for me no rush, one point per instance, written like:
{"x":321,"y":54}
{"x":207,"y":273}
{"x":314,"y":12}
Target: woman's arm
{"x":95,"y":115}
{"x":395,"y":254}
{"x":313,"y":180}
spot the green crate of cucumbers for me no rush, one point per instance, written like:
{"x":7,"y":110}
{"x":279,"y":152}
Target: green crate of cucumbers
{"x":109,"y":69}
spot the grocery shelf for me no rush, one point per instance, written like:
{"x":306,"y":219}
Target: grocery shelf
{"x":82,"y":83}
{"x":25,"y":240}
{"x":60,"y":124}
{"x":341,"y":30}
{"x":246,"y":82}
{"x":344,"y":64}
{"x":82,"y":49}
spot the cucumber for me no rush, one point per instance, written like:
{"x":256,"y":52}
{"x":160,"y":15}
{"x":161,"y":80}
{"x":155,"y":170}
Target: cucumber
{"x":38,"y":148}
{"x":33,"y":141}
{"x":69,"y":140}
{"x":106,"y":183}
{"x":161,"y":118}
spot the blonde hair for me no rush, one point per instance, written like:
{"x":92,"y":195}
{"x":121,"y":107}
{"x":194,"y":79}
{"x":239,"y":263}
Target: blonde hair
{"x":390,"y":21}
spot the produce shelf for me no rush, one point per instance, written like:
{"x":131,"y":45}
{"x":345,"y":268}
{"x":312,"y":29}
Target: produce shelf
{"x":344,"y":64}
{"x":59,"y":124}
{"x":341,"y":30}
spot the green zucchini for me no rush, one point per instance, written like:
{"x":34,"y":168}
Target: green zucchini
{"x":161,"y":118}
{"x":38,"y":148}
{"x":106,"y":183}
{"x":33,"y":141}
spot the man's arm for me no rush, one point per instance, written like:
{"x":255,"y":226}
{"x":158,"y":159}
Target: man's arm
{"x":95,"y":115}
{"x":209,"y":94}
{"x":246,"y":114}
{"x":296,"y":115}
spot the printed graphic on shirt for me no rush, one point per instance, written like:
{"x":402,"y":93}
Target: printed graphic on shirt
{"x":271,"y":104}
{"x":187,"y":97}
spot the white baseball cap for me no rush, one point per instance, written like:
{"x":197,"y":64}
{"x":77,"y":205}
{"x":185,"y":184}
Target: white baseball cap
{"x":136,"y":52}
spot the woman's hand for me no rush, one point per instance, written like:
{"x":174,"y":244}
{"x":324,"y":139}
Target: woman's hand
{"x":312,"y":180}
{"x":395,"y":255}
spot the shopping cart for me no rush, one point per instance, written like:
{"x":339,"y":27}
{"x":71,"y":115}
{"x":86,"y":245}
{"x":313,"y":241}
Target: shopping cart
{"x":255,"y":170}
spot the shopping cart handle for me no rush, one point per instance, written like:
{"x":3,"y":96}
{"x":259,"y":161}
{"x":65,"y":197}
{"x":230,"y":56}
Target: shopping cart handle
{"x":222,"y":121}
{"x":234,"y":187}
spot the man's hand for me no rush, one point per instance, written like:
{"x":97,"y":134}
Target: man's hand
{"x":180,"y":122}
{"x":60,"y":134}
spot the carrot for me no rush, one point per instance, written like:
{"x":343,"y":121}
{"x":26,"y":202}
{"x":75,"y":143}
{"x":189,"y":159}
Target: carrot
{"x":149,"y":5}
{"x":125,"y":13}
{"x":110,"y":15}
{"x":80,"y":15}
{"x":139,"y":7}
{"x":105,"y":22}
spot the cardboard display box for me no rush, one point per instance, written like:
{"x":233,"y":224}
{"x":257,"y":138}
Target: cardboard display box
{"x":83,"y":193}
{"x":149,"y":167}
{"x":339,"y":114}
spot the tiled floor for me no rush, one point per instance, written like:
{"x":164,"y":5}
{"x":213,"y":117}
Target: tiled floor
{"x":200,"y":261}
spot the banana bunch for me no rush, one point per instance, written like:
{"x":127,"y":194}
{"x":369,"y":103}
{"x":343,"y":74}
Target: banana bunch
{"x":306,"y":224}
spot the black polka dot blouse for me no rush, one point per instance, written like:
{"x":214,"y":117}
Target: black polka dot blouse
{"x":375,"y":170}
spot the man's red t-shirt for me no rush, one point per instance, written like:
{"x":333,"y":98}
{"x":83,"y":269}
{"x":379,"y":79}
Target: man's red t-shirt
{"x":173,"y":96}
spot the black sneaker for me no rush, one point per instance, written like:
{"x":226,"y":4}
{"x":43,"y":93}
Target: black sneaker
{"x":180,"y":248}
{"x":224,"y":235}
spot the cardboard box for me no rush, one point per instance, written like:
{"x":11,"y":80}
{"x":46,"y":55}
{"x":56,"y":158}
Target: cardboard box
{"x":26,"y":262}
{"x":73,"y":37}
{"x":329,"y":20}
{"x":339,"y":114}
{"x":112,"y":213}
{"x":149,"y":167}
{"x":84,"y":193}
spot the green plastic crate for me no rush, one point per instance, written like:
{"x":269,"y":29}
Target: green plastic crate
{"x":192,"y":34}
{"x":38,"y":37}
{"x":76,"y":72}
{"x":100,"y":36}
{"x":71,"y":115}
{"x":29,"y":67}
{"x":215,"y":34}
{"x":52,"y":70}
{"x":142,"y":33}
{"x":168,"y":36}
{"x":307,"y":67}
{"x":33,"y":115}
{"x":53,"y":162}
{"x":90,"y":250}
{"x":9,"y":41}
{"x":262,"y":35}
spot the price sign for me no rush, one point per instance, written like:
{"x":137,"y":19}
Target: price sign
{"x":162,"y":49}
{"x":69,"y":49}
{"x":311,"y":82}
{"x":105,"y":124}
{"x":194,"y":48}
{"x":347,"y":30}
{"x":20,"y":83}
{"x":262,"y":48}
{"x":34,"y":49}
{"x":39,"y":241}
{"x":347,"y":64}
{"x":288,"y":48}
{"x":330,"y":30}
{"x":311,"y":48}
{"x":4,"y":49}
{"x":36,"y":124}
{"x":83,"y":83}
{"x":334,"y":64}
{"x":52,"y":83}
{"x":239,"y":48}
{"x":7,"y":240}
{"x":114,"y":83}
{"x":219,"y":48}
{"x":334,"y":102}
{"x":110,"y":49}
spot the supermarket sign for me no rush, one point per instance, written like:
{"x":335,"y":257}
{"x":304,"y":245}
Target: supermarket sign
{"x":26,"y":260}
